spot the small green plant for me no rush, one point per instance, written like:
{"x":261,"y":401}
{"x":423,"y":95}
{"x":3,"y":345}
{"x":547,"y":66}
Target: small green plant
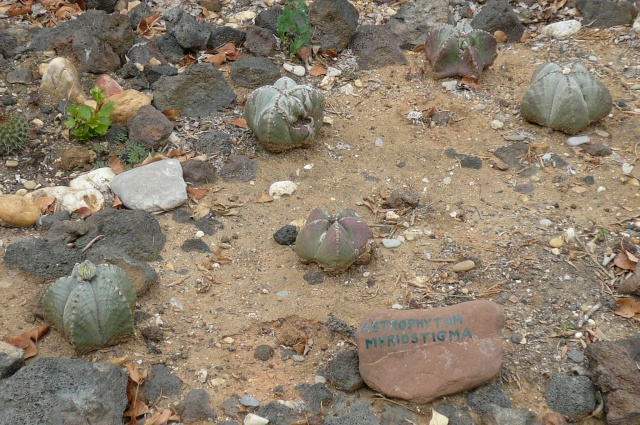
{"x":602,"y":234}
{"x":293,"y":25}
{"x":564,"y":327}
{"x":87,"y":122}
{"x":132,"y":153}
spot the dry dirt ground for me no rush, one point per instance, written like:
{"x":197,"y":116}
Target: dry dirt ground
{"x":479,"y":215}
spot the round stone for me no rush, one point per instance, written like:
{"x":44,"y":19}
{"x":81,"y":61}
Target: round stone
{"x":556,"y":242}
{"x":464,"y":266}
{"x":286,"y":235}
{"x":264,"y":352}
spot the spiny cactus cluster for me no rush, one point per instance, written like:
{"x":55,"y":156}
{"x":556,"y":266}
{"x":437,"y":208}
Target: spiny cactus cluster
{"x":453,"y":52}
{"x":93,"y":307}
{"x":285,"y":115}
{"x":333,"y":242}
{"x":565,"y":99}
{"x":14,"y":133}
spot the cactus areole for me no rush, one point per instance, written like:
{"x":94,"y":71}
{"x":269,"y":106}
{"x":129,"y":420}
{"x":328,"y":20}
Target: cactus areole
{"x":93,"y":307}
{"x":452,"y":52}
{"x":285,"y":115}
{"x":565,"y":99}
{"x":333,"y":242}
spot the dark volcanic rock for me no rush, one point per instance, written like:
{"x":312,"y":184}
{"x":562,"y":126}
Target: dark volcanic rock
{"x":498,"y":15}
{"x":334,"y":23}
{"x":254,"y":72}
{"x":608,"y":13}
{"x":46,"y":259}
{"x":376,"y":47}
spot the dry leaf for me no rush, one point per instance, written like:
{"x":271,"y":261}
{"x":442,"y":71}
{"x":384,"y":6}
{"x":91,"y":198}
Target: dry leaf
{"x":136,"y":374}
{"x":171,"y":114}
{"x":116,"y":165}
{"x":19,"y":11}
{"x":304,"y":53}
{"x":117,"y":203}
{"x":45,"y":203}
{"x":28,"y":340}
{"x":162,"y":418}
{"x":149,"y":159}
{"x":240,"y":122}
{"x":470,"y":82}
{"x":317,"y":70}
{"x":263,"y":198}
{"x":627,"y":307}
{"x":553,"y":418}
{"x":82,"y":212}
{"x":201,"y":210}
{"x":438,"y":419}
{"x":419,"y":48}
{"x":197,"y":193}
{"x":623,"y":261}
{"x":144,"y":27}
{"x":217,"y":59}
{"x":565,"y":350}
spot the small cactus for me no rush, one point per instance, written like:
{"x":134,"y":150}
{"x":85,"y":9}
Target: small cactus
{"x":333,"y":242}
{"x":452,"y":52}
{"x":565,"y":99}
{"x":93,"y":307}
{"x":285,"y":115}
{"x":14,"y":133}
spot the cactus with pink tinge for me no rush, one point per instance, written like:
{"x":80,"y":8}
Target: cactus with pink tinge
{"x":335,"y":243}
{"x":452,"y":52}
{"x":285,"y":115}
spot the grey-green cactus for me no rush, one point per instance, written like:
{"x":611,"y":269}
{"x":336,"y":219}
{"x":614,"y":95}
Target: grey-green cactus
{"x":93,"y":307}
{"x":14,"y":133}
{"x":565,"y":99}
{"x":453,"y":52}
{"x":285,"y":115}
{"x":333,"y":242}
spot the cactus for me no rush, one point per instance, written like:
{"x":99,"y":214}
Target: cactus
{"x":565,"y":99}
{"x":285,"y":115}
{"x":93,"y":307}
{"x":14,"y":133}
{"x":333,"y":242}
{"x":452,"y":52}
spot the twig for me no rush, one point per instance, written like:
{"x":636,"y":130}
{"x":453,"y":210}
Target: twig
{"x":588,"y":314}
{"x":92,"y":241}
{"x":442,"y":260}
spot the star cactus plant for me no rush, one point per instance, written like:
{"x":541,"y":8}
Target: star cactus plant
{"x":565,"y":99}
{"x":285,"y":115}
{"x":335,"y":243}
{"x":453,"y":52}
{"x":93,"y":307}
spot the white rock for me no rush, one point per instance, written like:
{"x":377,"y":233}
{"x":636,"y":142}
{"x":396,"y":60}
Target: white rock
{"x":252,"y":419}
{"x":577,"y":140}
{"x":281,"y":188}
{"x":299,"y":70}
{"x":60,"y":79}
{"x":347,"y":89}
{"x":562,"y":29}
{"x":288,"y":67}
{"x":71,"y":199}
{"x":636,"y":25}
{"x":546,"y":222}
{"x":397,"y":306}
{"x":601,"y":189}
{"x":319,"y":379}
{"x":450,"y":85}
{"x":99,"y":179}
{"x":244,"y":16}
{"x":569,"y":234}
{"x":497,"y":124}
{"x":391,"y":243}
{"x":446,"y":181}
{"x":627,"y":168}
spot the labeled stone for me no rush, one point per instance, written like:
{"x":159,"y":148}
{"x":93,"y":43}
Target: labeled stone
{"x":419,"y":355}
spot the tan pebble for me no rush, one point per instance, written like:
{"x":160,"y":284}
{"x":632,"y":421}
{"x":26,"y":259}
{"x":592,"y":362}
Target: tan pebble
{"x":10,"y":163}
{"x":17,"y":211}
{"x":464,"y":266}
{"x":523,"y":198}
{"x":634,"y":182}
{"x":224,"y":245}
{"x":29,"y":185}
{"x":37,"y":122}
{"x":358,"y":83}
{"x":556,"y":242}
{"x":21,"y":192}
{"x":228,"y":340}
{"x":523,"y":341}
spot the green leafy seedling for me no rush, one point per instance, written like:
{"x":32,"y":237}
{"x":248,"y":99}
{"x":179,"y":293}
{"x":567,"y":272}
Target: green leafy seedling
{"x":293,"y":25}
{"x":87,"y":122}
{"x":602,"y":234}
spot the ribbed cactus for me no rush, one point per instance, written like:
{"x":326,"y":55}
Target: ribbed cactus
{"x":93,"y":307}
{"x":565,"y":99}
{"x":333,"y":242}
{"x":285,"y":115}
{"x":452,"y":52}
{"x":14,"y":133}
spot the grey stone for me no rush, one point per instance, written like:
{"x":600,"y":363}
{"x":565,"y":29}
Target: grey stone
{"x":196,"y":407}
{"x":10,"y":359}
{"x":199,"y":91}
{"x":377,"y":47}
{"x":95,"y":40}
{"x":575,"y":356}
{"x":249,"y":401}
{"x":397,"y":415}
{"x":64,"y":391}
{"x":482,"y":398}
{"x":334,"y":23}
{"x":214,"y":142}
{"x":343,"y":371}
{"x":278,"y":414}
{"x":268,"y":19}
{"x":8,"y":45}
{"x":456,"y":415}
{"x":607,"y":13}
{"x":260,"y":41}
{"x":597,"y":149}
{"x":141,"y":274}
{"x":313,"y":278}
{"x":106,"y":5}
{"x":138,"y":13}
{"x":154,"y":72}
{"x":199,"y":172}
{"x":338,"y":326}
{"x":498,"y":15}
{"x":149,"y":127}
{"x":221,"y":35}
{"x":189,"y":33}
{"x":238,"y":169}
{"x":497,"y":415}
{"x":154,"y":187}
{"x":45,"y":259}
{"x":195,"y":245}
{"x":253,"y":72}
{"x":315,"y":396}
{"x":161,"y":382}
{"x":66,"y":231}
{"x":144,"y":50}
{"x":614,"y":365}
{"x":264,"y":352}
{"x":572,"y":396}
{"x":169,"y":47}
{"x":415,"y":19}
{"x":359,"y":414}
{"x":512,"y":154}
{"x":19,"y":76}
{"x":466,"y":161}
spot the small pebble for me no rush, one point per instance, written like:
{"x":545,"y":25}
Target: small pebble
{"x":249,"y":401}
{"x":556,"y":242}
{"x":446,"y":181}
{"x":252,"y":419}
{"x":545,"y":222}
{"x":397,"y":306}
{"x":514,"y":138}
{"x":358,"y":83}
{"x":602,"y":133}
{"x":177,"y":305}
{"x":497,"y":124}
{"x":464,"y":266}
{"x":282,"y":294}
{"x":626,"y":168}
{"x":578,"y":140}
{"x":578,"y":335}
{"x":228,"y":340}
{"x":30,"y":184}
{"x":297,"y":358}
{"x":601,"y":189}
{"x":391,"y":243}
{"x":199,"y":234}
{"x":379,"y":142}
{"x":575,"y":356}
{"x":319,"y":379}
{"x":555,"y":251}
{"x":11,"y":163}
{"x":450,"y":85}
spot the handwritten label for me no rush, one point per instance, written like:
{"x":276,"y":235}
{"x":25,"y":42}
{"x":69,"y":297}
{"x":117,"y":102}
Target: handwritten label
{"x":392,"y":333}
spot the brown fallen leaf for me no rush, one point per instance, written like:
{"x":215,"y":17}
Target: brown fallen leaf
{"x":216,"y":59}
{"x":240,"y":122}
{"x":197,"y":193}
{"x":163,"y":418}
{"x":627,"y":307}
{"x":144,"y":27}
{"x":45,"y":203}
{"x":117,"y":203}
{"x":27,"y":340}
{"x":263,"y":198}
{"x":149,"y":159}
{"x":317,"y":70}
{"x":116,"y":164}
{"x":201,"y":210}
{"x":624,"y":261}
{"x":171,"y":114}
{"x":554,"y":418}
{"x":82,"y":212}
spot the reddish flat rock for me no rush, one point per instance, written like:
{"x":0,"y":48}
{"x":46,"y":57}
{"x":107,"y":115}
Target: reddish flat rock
{"x":419,"y":355}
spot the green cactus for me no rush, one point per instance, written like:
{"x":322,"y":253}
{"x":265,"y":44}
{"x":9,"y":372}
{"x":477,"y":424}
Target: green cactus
{"x":285,"y":115}
{"x":452,"y":52}
{"x":14,"y":133}
{"x":565,"y":99}
{"x":333,"y":242}
{"x":93,"y":307}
